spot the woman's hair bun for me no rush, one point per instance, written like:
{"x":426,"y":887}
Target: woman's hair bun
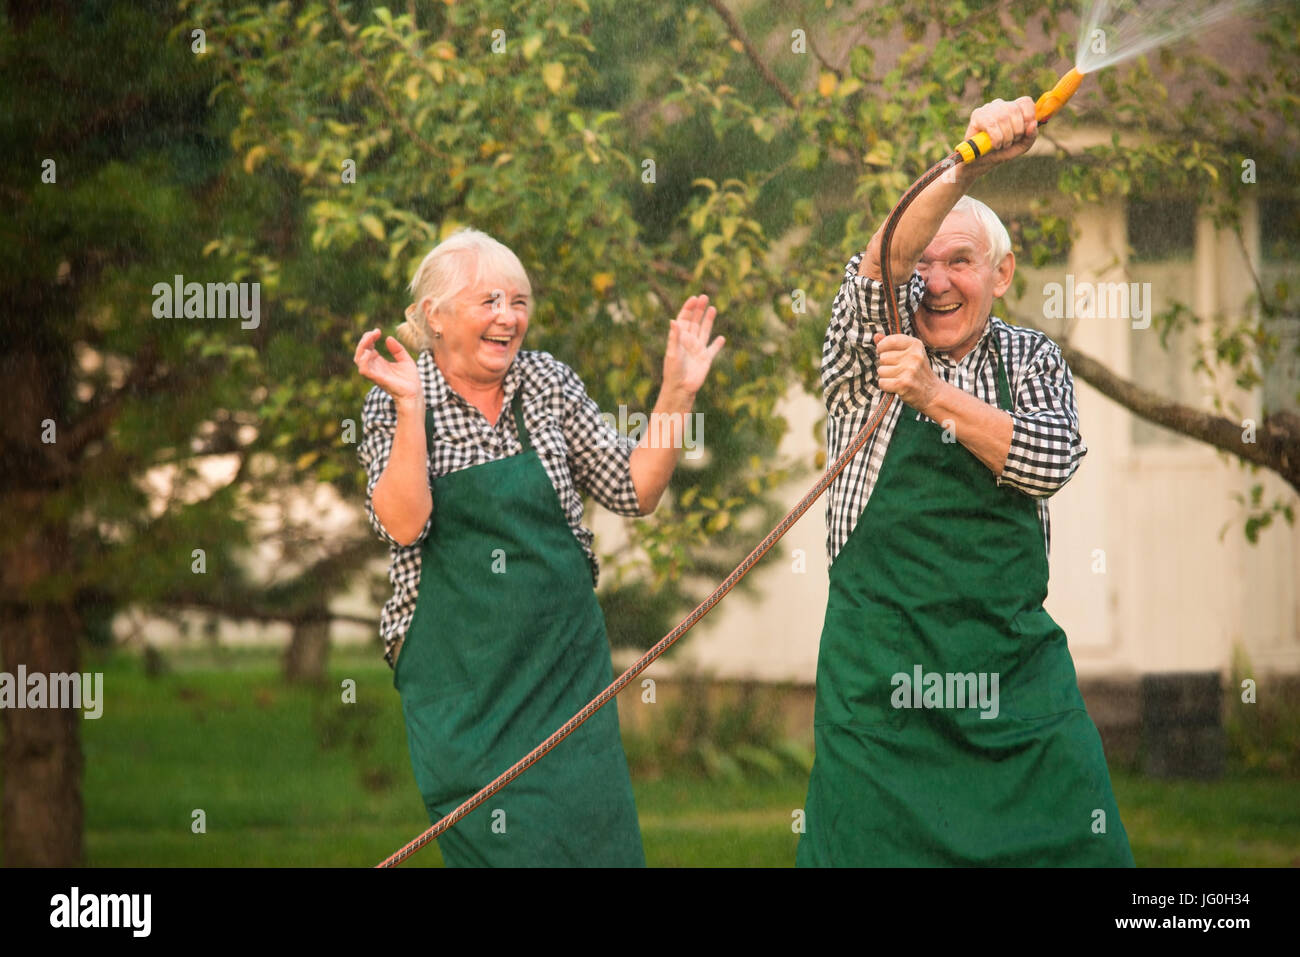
{"x":407,"y":335}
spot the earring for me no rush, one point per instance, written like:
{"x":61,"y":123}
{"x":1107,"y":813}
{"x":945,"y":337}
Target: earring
{"x":437,"y":334}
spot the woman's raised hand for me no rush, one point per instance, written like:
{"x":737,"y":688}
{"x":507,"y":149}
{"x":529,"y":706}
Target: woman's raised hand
{"x":399,"y":378}
{"x":690,"y":354}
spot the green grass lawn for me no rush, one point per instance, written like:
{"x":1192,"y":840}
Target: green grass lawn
{"x":289,"y":776}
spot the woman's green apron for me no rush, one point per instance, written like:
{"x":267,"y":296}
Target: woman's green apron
{"x":945,"y":574}
{"x":508,"y":642}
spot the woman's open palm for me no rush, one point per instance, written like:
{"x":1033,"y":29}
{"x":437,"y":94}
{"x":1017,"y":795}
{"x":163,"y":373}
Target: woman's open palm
{"x":690,"y":354}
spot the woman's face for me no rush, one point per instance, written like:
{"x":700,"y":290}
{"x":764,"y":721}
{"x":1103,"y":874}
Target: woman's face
{"x":482,"y":329}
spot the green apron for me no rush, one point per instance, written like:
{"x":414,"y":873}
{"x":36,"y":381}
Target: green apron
{"x":947,"y":571}
{"x":508,"y":642}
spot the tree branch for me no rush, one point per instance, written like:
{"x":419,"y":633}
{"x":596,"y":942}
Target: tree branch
{"x":95,"y":423}
{"x":372,"y":82}
{"x":738,"y":32}
{"x":681,"y":274}
{"x":797,"y":15}
{"x":253,"y":611}
{"x":300,"y":600}
{"x":1267,"y":307}
{"x":1277,"y":439}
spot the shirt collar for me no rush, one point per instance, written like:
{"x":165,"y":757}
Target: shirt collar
{"x":981,"y":346}
{"x":439,"y":391}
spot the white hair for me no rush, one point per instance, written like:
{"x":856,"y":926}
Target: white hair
{"x":999,"y":240}
{"x":461,"y":260}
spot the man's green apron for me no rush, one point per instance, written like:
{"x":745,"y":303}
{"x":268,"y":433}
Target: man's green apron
{"x":506,"y":644}
{"x":944,"y":575}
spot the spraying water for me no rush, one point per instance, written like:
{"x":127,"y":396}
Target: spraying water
{"x":1115,"y":30}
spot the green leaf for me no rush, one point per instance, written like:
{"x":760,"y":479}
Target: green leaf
{"x":881,"y":154}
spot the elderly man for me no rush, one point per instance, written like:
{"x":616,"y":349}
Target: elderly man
{"x":949,"y":725}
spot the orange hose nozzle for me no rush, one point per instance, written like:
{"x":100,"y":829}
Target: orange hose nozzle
{"x":1055,"y":98}
{"x":1047,"y":104}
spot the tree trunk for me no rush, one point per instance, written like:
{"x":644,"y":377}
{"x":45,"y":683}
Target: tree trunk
{"x":308,"y":652}
{"x":41,"y":806}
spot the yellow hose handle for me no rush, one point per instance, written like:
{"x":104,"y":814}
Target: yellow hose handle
{"x":1047,"y":104}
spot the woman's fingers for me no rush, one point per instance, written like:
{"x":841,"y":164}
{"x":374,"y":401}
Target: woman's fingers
{"x":396,"y":349}
{"x":706,"y":324}
{"x":364,"y":344}
{"x":693,"y":308}
{"x":704,"y":312}
{"x":394,"y":377}
{"x":695,"y":321}
{"x":367,"y":349}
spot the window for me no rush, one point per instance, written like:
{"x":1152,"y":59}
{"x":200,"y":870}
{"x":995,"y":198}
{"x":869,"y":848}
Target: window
{"x":1161,"y":229}
{"x":1162,"y":240}
{"x":1279,"y":274}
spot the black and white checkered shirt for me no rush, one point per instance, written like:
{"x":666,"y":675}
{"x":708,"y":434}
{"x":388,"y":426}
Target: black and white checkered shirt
{"x":1045,"y":444}
{"x":578,"y":449}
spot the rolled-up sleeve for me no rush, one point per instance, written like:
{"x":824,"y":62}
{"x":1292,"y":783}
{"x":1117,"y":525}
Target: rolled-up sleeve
{"x":1046,"y":446}
{"x":599,"y":458}
{"x":858,"y":313}
{"x":379,"y":423}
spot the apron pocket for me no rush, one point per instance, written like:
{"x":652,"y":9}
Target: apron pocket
{"x":862,"y":649}
{"x":526,"y":683}
{"x":1044,"y":681}
{"x":446,"y":756}
{"x":585,"y":664}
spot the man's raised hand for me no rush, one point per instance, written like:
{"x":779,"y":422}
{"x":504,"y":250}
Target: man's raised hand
{"x":1012,"y":129}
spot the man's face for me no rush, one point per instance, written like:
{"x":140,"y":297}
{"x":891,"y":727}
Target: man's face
{"x":960,"y":286}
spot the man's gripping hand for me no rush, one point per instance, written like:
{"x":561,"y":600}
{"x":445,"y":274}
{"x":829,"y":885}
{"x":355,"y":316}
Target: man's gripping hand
{"x":903,"y":368}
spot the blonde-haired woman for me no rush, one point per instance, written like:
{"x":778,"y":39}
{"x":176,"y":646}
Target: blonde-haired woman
{"x":476,"y":453}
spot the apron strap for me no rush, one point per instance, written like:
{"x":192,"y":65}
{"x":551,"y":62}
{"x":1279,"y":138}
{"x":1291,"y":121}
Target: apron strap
{"x":1004,"y":390}
{"x":517,"y":408}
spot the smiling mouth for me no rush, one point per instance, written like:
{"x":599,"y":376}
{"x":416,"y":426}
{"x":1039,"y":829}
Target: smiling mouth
{"x":499,"y":340}
{"x":943,"y":310}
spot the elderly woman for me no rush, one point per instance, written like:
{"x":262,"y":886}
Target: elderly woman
{"x":476,"y":452}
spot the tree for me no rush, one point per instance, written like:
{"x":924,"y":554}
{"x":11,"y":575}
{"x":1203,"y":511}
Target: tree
{"x":106,"y":151}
